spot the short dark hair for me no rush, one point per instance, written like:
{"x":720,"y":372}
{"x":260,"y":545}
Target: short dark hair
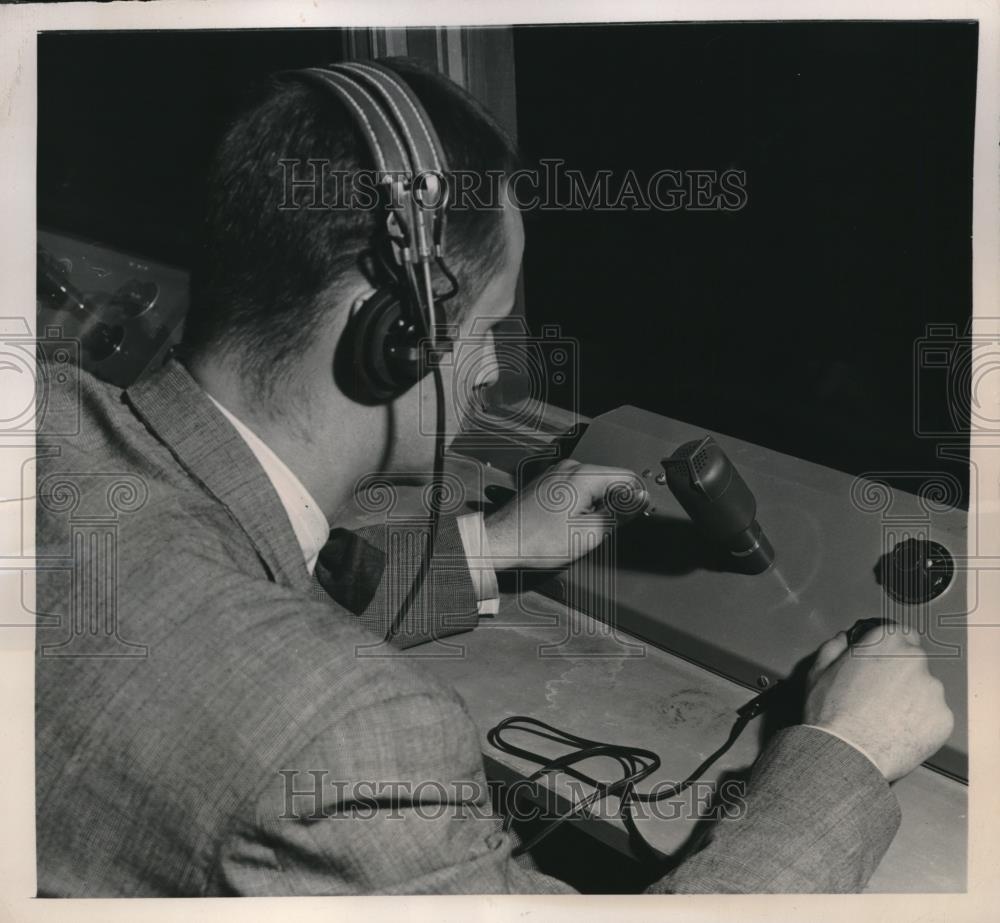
{"x":262,"y":269}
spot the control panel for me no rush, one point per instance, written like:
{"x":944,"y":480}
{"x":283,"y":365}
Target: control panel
{"x":124,"y":311}
{"x":841,"y":548}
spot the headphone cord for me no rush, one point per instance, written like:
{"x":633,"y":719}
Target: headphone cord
{"x":437,"y":482}
{"x":636,"y":762}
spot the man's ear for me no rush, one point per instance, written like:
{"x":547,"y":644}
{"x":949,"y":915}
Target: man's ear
{"x":359,"y":299}
{"x":397,"y":252}
{"x":395,"y":234}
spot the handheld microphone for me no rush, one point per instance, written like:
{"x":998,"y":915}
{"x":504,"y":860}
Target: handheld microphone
{"x":708,"y":486}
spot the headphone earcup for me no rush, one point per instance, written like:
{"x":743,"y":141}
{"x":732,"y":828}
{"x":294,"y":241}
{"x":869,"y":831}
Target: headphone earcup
{"x":385,"y":348}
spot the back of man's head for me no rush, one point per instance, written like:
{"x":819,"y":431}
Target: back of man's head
{"x":271,"y":267}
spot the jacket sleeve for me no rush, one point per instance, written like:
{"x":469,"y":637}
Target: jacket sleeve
{"x":370,"y":571}
{"x":393,"y":799}
{"x":817,"y":817}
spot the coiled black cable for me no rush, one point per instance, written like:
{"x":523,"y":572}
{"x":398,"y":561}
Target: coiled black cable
{"x":637,"y":763}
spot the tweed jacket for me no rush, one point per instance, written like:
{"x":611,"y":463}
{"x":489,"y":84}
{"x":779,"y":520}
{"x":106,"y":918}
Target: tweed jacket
{"x":207,"y":723}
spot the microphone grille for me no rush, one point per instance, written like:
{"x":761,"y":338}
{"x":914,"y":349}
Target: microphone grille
{"x":692,"y":453}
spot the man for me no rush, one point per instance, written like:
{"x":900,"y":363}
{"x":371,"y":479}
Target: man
{"x":166,"y":740}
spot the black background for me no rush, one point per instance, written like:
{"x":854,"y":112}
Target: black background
{"x":791,"y":322}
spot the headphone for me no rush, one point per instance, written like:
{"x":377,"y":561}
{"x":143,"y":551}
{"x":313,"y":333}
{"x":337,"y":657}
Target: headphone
{"x":394,"y":337}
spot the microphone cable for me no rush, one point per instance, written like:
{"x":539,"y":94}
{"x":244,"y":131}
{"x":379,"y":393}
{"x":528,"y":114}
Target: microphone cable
{"x":636,"y":762}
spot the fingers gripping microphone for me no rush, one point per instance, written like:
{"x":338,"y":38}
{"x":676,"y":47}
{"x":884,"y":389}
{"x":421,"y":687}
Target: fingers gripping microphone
{"x":708,"y":486}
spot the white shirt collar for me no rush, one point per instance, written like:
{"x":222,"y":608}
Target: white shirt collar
{"x":308,"y":522}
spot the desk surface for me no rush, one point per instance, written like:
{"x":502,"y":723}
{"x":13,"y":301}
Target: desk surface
{"x":541,"y":659}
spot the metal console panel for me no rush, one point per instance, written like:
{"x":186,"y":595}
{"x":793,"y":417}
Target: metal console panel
{"x":142,"y":299}
{"x":659,"y":580}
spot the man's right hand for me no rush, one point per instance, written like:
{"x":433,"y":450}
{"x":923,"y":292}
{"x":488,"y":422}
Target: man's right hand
{"x":880,"y":697}
{"x":533,"y":528}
